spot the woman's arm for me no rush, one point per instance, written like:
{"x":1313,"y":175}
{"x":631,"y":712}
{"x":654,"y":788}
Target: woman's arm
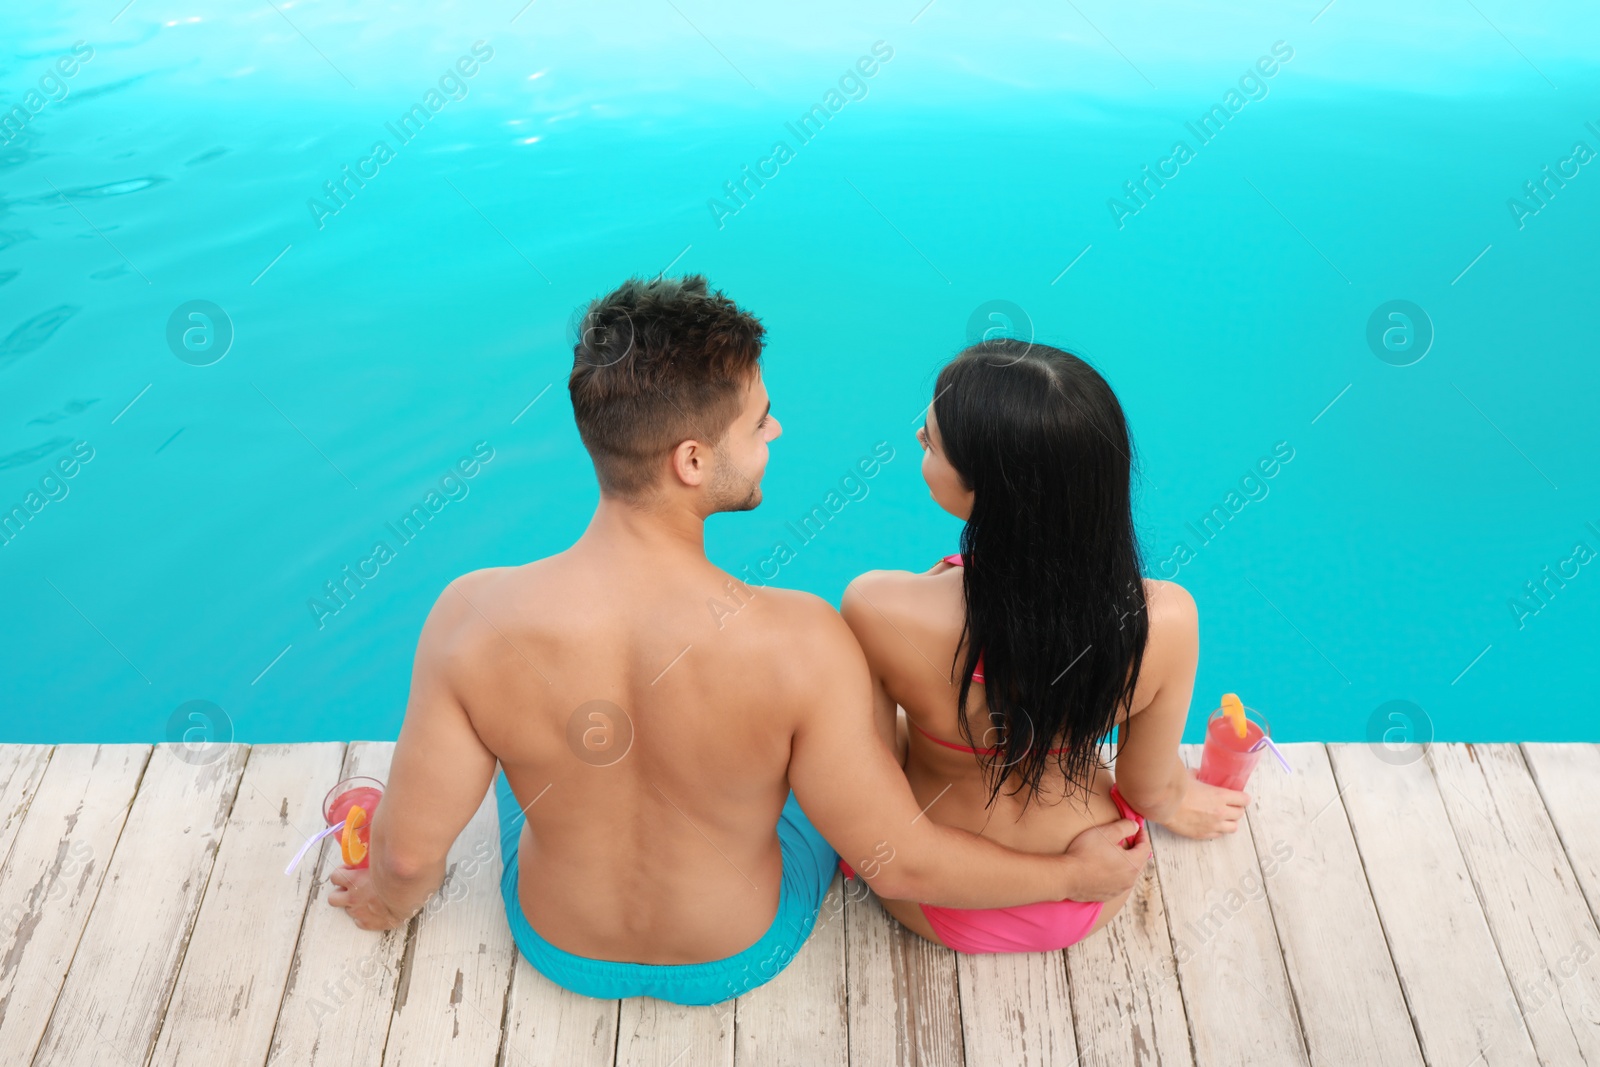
{"x":1150,"y":775}
{"x":858,"y":607}
{"x":885,"y":715}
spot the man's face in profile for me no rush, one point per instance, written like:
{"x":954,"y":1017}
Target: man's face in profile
{"x":741,"y":455}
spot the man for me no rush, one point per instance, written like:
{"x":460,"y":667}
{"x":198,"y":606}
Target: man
{"x":650,"y":741}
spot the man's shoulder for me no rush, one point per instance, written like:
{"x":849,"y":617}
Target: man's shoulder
{"x":793,"y":649}
{"x":461,"y":622}
{"x":786,"y":626}
{"x":484,"y":578}
{"x":458,"y":596}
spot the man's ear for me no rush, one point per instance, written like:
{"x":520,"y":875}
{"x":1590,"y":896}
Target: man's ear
{"x":690,"y":462}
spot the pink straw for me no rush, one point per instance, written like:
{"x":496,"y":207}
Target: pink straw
{"x":298,"y":856}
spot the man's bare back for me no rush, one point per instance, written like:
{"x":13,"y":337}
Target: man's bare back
{"x":655,"y":844}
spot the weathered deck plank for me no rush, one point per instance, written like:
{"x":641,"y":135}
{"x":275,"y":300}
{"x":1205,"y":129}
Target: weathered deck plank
{"x":1230,"y":966}
{"x":1126,"y":1004}
{"x":1460,"y":999}
{"x":653,"y":1033}
{"x":546,"y":1024}
{"x":905,"y":1009}
{"x":21,"y":768}
{"x":1351,"y":1007}
{"x":128,"y":957}
{"x":1015,"y":1009}
{"x":226,"y":1001}
{"x":1568,"y":777}
{"x":799,"y":1018}
{"x":1536,"y":911}
{"x":339,"y":997}
{"x":452,"y":993}
{"x":52,"y":876}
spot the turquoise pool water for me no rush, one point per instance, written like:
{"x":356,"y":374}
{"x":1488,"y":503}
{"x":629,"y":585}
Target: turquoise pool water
{"x":1426,"y":534}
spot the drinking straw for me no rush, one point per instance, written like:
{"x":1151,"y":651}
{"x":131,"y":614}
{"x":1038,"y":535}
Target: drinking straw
{"x":1265,"y":740}
{"x":298,"y":856}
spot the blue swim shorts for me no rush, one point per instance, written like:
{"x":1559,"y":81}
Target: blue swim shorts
{"x":808,"y":866}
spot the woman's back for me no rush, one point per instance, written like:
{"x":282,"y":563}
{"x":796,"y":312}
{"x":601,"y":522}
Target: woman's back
{"x":910,"y":625}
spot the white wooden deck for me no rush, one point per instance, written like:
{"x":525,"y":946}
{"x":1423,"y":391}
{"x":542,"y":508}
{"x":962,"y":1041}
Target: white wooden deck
{"x":1442,"y":912}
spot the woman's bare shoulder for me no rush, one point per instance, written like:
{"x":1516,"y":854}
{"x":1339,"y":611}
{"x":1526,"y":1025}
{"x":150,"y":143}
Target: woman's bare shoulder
{"x":892,"y":593}
{"x":1171,"y":607}
{"x":1173,"y":644}
{"x":885,"y":608}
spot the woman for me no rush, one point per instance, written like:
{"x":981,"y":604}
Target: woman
{"x":1014,"y":660}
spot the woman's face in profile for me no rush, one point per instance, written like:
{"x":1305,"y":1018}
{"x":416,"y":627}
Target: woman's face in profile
{"x":944,"y":484}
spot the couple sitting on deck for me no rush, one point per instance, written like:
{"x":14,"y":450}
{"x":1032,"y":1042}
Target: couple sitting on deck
{"x":680,"y":782}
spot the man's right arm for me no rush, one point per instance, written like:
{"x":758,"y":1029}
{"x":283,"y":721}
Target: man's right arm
{"x":853,"y":791}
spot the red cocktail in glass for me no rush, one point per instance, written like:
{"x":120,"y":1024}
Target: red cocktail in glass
{"x":1229,"y":759}
{"x":353,"y":802}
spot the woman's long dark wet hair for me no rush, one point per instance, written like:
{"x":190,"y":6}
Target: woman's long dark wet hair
{"x":1055,"y":601}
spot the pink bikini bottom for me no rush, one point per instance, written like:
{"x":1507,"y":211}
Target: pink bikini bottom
{"x":1043,"y":927}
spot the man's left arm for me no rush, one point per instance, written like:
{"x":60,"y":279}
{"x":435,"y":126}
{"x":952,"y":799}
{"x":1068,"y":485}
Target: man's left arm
{"x":437,"y":779}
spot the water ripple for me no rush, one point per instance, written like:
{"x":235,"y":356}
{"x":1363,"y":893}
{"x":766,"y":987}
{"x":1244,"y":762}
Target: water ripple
{"x":32,"y":335}
{"x":29,"y":455}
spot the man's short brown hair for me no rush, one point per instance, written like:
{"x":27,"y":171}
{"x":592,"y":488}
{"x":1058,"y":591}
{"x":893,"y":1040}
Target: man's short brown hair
{"x":657,"y":363}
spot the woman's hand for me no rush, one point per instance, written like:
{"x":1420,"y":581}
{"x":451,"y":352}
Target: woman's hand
{"x":1207,"y":811}
{"x":1101,"y":868}
{"x":360,"y":900}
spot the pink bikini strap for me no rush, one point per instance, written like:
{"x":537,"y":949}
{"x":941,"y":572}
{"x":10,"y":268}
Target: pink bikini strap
{"x":1126,"y":811}
{"x":966,"y":748}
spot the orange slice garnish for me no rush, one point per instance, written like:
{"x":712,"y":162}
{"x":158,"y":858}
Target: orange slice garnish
{"x":1233,"y":708}
{"x":350,"y":843}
